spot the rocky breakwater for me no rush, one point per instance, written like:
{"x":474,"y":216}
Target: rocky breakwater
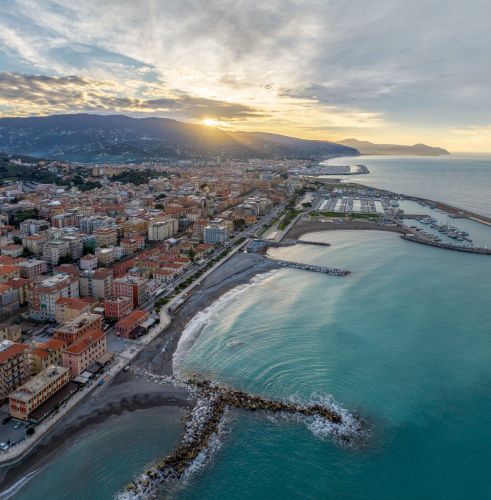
{"x":204,"y":423}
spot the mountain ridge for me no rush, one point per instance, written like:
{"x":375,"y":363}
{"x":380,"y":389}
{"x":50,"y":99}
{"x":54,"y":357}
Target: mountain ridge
{"x":371,"y":148}
{"x":94,"y":138}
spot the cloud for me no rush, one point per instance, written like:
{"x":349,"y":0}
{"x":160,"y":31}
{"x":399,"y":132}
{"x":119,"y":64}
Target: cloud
{"x":40,"y":94}
{"x":302,"y":64}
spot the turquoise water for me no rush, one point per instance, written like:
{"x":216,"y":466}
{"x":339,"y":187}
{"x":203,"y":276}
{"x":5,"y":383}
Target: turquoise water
{"x":99,"y":462}
{"x":460,"y":180}
{"x":405,"y":341}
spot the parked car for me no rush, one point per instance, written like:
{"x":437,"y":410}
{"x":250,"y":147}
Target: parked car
{"x":3,"y":446}
{"x":17,"y":425}
{"x":6,"y":420}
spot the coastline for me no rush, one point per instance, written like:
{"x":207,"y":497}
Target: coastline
{"x":129,"y":392}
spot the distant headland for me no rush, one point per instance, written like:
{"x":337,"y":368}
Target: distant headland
{"x":369,"y":148}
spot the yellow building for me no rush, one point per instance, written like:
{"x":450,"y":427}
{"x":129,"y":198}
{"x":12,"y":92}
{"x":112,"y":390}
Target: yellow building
{"x":45,"y":354}
{"x":68,"y":308}
{"x":35,"y":392}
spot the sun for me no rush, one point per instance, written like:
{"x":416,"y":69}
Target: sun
{"x":210,"y":122}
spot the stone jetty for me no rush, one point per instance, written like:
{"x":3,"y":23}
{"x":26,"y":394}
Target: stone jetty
{"x":203,"y":424}
{"x":332,"y":271}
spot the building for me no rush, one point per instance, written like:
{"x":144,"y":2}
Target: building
{"x":42,"y":295}
{"x":31,"y":268}
{"x":68,"y":308}
{"x":160,"y":230}
{"x":12,"y":250}
{"x":22,"y":287}
{"x":215,"y":233}
{"x":118,"y":307}
{"x":39,"y":389}
{"x":132,"y":245}
{"x":88,"y":262}
{"x":131,"y":286}
{"x":8,"y":272}
{"x":134,"y":227}
{"x":30,"y":227}
{"x":75,"y":245}
{"x":54,"y":250}
{"x":75,"y":329}
{"x":45,"y":354}
{"x":85,"y":351}
{"x":106,"y":236}
{"x":10,"y":332}
{"x":34,"y":243}
{"x":126,"y":325}
{"x":9,"y":299}
{"x":106,"y":256}
{"x":14,"y":366}
{"x":97,"y":283}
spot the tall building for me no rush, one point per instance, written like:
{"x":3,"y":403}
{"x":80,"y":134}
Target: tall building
{"x":85,"y":351}
{"x":161,"y":229}
{"x":42,"y":295}
{"x":73,"y":330}
{"x":14,"y":366}
{"x":106,"y":236}
{"x":214,"y":233}
{"x":97,"y":283}
{"x":131,"y":286}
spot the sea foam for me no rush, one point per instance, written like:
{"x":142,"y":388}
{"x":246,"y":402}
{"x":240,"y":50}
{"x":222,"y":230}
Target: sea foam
{"x":198,"y":323}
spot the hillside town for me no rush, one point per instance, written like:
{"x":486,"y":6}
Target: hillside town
{"x":88,"y":260}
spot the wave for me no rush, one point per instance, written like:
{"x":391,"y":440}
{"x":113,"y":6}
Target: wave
{"x":197,"y":324}
{"x":16,"y":487}
{"x":352,"y":432}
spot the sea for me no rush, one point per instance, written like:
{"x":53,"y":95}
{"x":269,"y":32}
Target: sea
{"x":463,"y":180}
{"x":404,"y":341}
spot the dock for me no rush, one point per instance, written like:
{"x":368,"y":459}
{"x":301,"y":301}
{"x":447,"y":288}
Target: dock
{"x":459,"y":248}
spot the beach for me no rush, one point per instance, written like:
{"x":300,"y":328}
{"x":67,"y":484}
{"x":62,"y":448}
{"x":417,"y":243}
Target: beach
{"x":129,"y":391}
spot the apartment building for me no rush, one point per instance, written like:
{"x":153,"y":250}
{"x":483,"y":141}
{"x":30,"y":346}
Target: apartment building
{"x":39,"y":389}
{"x":73,"y":330}
{"x":45,"y":354}
{"x":31,"y":268}
{"x":118,"y":307}
{"x":42,"y":295}
{"x":131,"y":286}
{"x":106,"y":236}
{"x":8,"y":272}
{"x":97,"y":283}
{"x":162,"y":229}
{"x":68,"y":308}
{"x":14,"y":366}
{"x":85,"y":351}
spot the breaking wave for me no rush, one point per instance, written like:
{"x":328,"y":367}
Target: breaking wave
{"x":197,"y":324}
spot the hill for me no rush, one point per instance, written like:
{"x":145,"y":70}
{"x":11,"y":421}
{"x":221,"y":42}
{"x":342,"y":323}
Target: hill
{"x":369,"y":148}
{"x":96,"y":138}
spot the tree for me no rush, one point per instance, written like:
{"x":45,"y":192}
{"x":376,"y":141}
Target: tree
{"x":192,"y":254}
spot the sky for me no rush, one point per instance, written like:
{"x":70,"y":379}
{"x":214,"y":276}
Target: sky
{"x":387,"y":71}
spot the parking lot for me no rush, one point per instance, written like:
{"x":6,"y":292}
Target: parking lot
{"x":8,"y":432}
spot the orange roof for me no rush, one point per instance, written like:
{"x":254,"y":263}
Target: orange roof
{"x":83,"y":343}
{"x":132,"y":318}
{"x":40,"y":353}
{"x":13,"y":350}
{"x":72,"y":302}
{"x":51,"y":344}
{"x":8,"y":269}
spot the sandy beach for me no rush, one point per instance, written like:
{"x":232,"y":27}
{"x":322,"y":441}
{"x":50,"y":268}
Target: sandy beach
{"x":312,"y":226}
{"x":130,"y":392}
